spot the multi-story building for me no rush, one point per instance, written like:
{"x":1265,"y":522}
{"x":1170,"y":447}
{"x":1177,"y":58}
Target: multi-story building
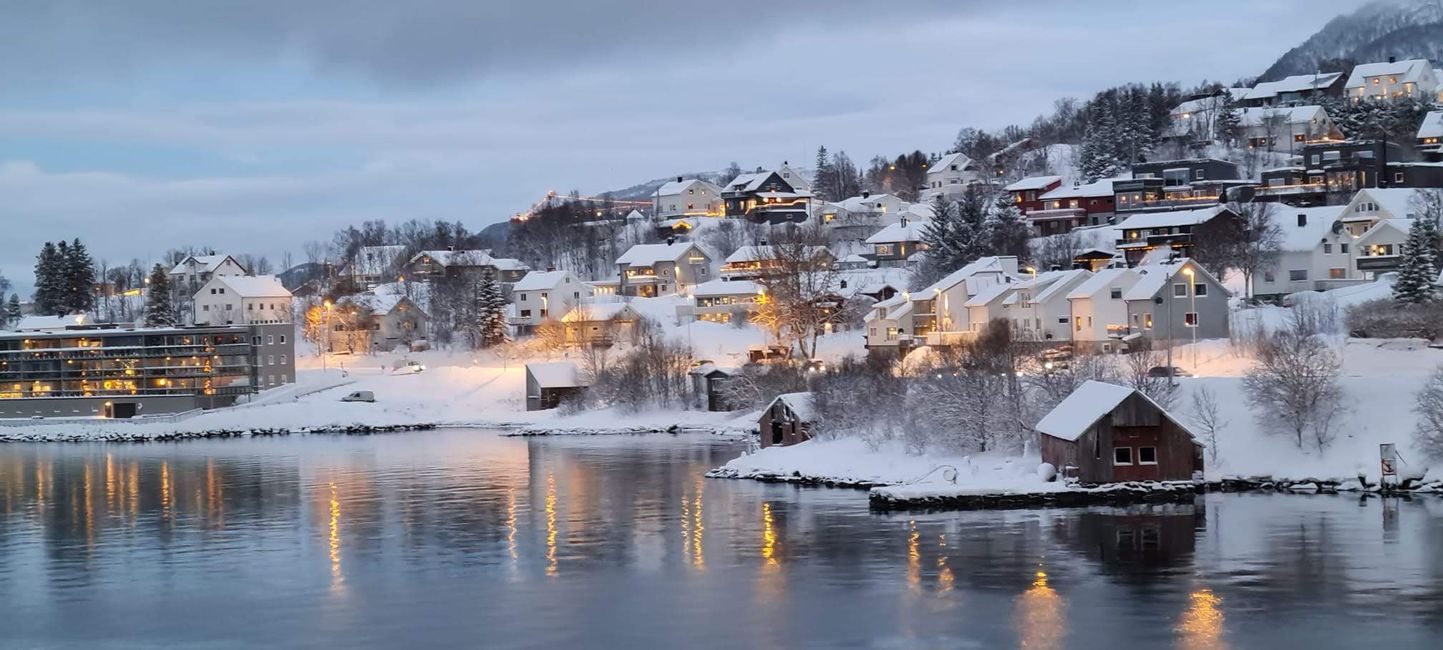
{"x":1331,"y":173}
{"x":1070,"y":207}
{"x":105,"y":371}
{"x":1027,"y":193}
{"x":1174,"y":300}
{"x":242,"y":300}
{"x":1430,"y":136}
{"x":1296,"y":90}
{"x":1175,"y":184}
{"x":1315,"y":253}
{"x":191,"y":273}
{"x":753,"y":262}
{"x":651,"y":270}
{"x":545,"y":295}
{"x":687,"y":198}
{"x":427,"y":266}
{"x":1286,"y":129}
{"x":950,"y":175}
{"x":721,"y":301}
{"x":937,"y":314}
{"x":767,"y":197}
{"x":897,"y":243}
{"x":1414,"y":78}
{"x":1173,"y":232}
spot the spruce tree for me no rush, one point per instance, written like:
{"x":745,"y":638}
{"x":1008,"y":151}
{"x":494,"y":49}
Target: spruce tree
{"x":1419,"y":267}
{"x":823,"y":177}
{"x":493,"y":312}
{"x":12,"y":310}
{"x":48,"y":281}
{"x":1228,"y":124}
{"x":78,"y":271}
{"x":158,"y":312}
{"x":1007,"y":230}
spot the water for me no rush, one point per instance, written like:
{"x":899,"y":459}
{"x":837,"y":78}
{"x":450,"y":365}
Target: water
{"x":464,"y":539}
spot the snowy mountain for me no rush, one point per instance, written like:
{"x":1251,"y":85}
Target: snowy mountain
{"x":1406,"y":29}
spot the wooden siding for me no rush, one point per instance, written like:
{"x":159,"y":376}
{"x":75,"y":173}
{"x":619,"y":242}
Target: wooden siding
{"x":1135,"y":423}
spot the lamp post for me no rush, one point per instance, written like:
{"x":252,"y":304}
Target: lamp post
{"x":327,"y":347}
{"x":1032,"y":292}
{"x":1196,"y":320}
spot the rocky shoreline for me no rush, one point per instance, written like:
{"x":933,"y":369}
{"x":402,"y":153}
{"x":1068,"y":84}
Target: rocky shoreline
{"x":214,"y":434}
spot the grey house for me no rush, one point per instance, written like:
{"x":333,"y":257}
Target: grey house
{"x":1177,"y":300}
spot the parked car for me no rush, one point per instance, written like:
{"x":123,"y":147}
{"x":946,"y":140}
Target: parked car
{"x":1167,"y":371}
{"x":360,"y":396}
{"x":407,"y":367}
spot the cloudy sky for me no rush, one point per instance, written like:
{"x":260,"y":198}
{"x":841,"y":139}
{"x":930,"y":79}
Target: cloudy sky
{"x":254,"y":127}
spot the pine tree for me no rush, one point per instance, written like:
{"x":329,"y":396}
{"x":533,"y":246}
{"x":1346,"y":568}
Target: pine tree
{"x":48,"y":283}
{"x":1228,"y":124}
{"x":823,"y":177}
{"x":78,"y":273}
{"x":493,"y":312}
{"x":1099,"y":146}
{"x":1007,"y":231}
{"x":12,"y":310}
{"x":1419,"y":267}
{"x":158,"y":312}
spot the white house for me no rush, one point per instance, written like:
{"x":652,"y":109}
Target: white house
{"x":228,"y":300}
{"x":720,"y":301}
{"x":1038,"y":307}
{"x":1394,"y":79}
{"x":1315,"y":252}
{"x":193,"y":272}
{"x":894,"y":245}
{"x":1099,"y":312}
{"x":1430,"y":133}
{"x":938,"y":314}
{"x":690,"y":197}
{"x":1380,"y":248}
{"x":542,"y":295}
{"x":752,"y":262}
{"x":651,"y":270}
{"x":1374,"y":204}
{"x":1290,"y":91}
{"x":950,"y":176}
{"x":1286,"y":129}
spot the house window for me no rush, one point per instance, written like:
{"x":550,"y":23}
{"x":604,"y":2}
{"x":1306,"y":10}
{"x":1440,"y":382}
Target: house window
{"x":1268,"y":276}
{"x":1147,"y":455}
{"x":1179,"y":290}
{"x":1147,"y":321}
{"x":1190,"y":319}
{"x":523,"y":297}
{"x":1343,"y":248}
{"x":1327,"y":249}
{"x":1337,"y":273}
{"x":271,"y":360}
{"x":1122,"y":456}
{"x":1116,"y":293}
{"x":1200,"y":290}
{"x":1096,"y":446}
{"x":270,"y":339}
{"x":1061,"y":320}
{"x":526,"y":313}
{"x":1297,"y":275}
{"x":1398,"y":177}
{"x":283,"y":339}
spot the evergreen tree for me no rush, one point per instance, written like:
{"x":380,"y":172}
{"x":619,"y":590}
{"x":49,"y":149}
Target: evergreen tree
{"x":1099,"y":145}
{"x":823,"y":177}
{"x":1007,"y":232}
{"x":957,"y":234}
{"x":78,"y":273}
{"x":1228,"y":124}
{"x":12,"y":310}
{"x":48,"y":282}
{"x":1419,"y":268}
{"x":158,"y":311}
{"x":493,"y":312}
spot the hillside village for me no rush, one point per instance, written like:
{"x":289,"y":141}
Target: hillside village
{"x":929,"y":304}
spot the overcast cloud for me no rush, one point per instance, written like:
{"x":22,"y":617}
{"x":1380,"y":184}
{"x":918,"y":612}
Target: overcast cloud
{"x":253,"y":127}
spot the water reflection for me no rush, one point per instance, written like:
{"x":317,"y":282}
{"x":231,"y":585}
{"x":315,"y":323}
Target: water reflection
{"x":624,"y":541}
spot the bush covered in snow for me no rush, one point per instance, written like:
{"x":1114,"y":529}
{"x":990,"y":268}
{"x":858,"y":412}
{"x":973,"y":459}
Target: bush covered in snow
{"x":1386,"y":319}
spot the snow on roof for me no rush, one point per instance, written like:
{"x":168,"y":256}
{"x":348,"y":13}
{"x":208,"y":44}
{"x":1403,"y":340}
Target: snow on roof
{"x":49,"y":323}
{"x":988,"y":294}
{"x":1033,"y":183}
{"x":1082,"y":409}
{"x":713,"y":288}
{"x":376,"y":303}
{"x":1293,"y":84}
{"x":1289,"y":115}
{"x":799,"y":403}
{"x":1396,"y":201}
{"x":255,"y":286}
{"x":945,"y":163}
{"x":478,"y":257}
{"x":677,"y":187}
{"x":761,"y":253}
{"x":541,"y":280}
{"x":1101,"y":281}
{"x":649,"y":254}
{"x":1172,"y":218}
{"x":1317,"y":222}
{"x":1056,"y":287}
{"x":1432,"y":126}
{"x":592,"y":311}
{"x":1402,"y":226}
{"x":754,"y":181}
{"x":1409,"y":70}
{"x":859,"y":202}
{"x":556,"y":374}
{"x":1100,"y":187}
{"x":204,"y":263}
{"x":900,"y":232}
{"x":982,"y":265}
{"x":1045,"y":285}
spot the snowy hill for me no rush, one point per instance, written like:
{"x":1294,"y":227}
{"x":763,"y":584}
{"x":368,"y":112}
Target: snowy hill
{"x":1403,"y":28}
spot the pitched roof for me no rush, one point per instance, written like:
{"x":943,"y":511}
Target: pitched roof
{"x":943,"y":163}
{"x":649,"y":254}
{"x":469,"y":258}
{"x":1409,"y":70}
{"x":712,"y":288}
{"x":1033,"y":183}
{"x":677,"y":187}
{"x":1083,"y":408}
{"x":1396,"y":201}
{"x":1172,"y":218}
{"x":988,"y":294}
{"x":1100,"y":281}
{"x":556,"y":374}
{"x":1318,"y":222}
{"x":204,"y":263}
{"x":799,"y":403}
{"x":376,"y":303}
{"x":255,"y":286}
{"x":1432,"y":126}
{"x":1100,"y":187}
{"x":900,"y":232}
{"x":1295,"y":83}
{"x":590,"y":311}
{"x":541,"y":280}
{"x":982,"y":265}
{"x":1288,"y":115}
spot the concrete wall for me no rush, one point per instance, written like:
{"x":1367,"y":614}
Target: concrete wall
{"x":275,"y":350}
{"x":90,"y":407}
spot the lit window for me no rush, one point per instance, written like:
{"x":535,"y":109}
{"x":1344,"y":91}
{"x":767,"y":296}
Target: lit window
{"x":1190,"y":319}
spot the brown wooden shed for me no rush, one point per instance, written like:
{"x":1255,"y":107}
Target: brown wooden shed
{"x":1105,"y":433}
{"x":787,"y":420}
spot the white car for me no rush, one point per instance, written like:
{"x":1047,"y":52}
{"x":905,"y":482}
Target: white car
{"x":360,"y":396}
{"x":407,"y":368}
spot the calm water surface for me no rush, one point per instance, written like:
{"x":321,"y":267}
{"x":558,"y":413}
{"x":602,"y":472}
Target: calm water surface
{"x":465,"y":539}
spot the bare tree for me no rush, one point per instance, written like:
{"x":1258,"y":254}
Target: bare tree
{"x":1428,"y":435}
{"x":1138,"y":367}
{"x":799,"y":286}
{"x":1207,"y":418}
{"x":1293,"y":387}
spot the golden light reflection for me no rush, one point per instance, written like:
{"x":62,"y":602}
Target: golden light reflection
{"x":109,"y":483}
{"x":1202,"y":624}
{"x":914,"y":557}
{"x":511,"y":523}
{"x":165,"y":493}
{"x":945,"y":579}
{"x":698,"y":556}
{"x":132,"y":491}
{"x":769,"y":536}
{"x":1039,"y":616}
{"x":89,"y":510}
{"x":550,"y":525}
{"x":334,"y":537}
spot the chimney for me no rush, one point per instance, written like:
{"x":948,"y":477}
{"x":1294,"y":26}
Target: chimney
{"x":762,"y":242}
{"x":670,"y":241}
{"x":678,"y":179}
{"x":904,"y":221}
{"x":866,"y":193}
{"x":1392,"y":59}
{"x":1302,"y":219}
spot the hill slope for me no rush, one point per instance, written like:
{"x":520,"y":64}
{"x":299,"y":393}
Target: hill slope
{"x":1402,"y":28}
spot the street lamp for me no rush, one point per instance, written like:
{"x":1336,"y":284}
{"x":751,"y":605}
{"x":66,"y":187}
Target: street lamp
{"x":1032,"y":292}
{"x":327,"y":347}
{"x":1192,"y":295}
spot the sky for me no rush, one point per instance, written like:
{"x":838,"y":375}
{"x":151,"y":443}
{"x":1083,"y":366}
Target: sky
{"x":255,"y":127}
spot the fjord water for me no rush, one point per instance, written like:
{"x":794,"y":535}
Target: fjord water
{"x":465,"y":539}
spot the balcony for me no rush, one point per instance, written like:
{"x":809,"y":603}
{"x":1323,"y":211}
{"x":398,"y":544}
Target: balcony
{"x":1379,"y":262}
{"x":1057,"y":213}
